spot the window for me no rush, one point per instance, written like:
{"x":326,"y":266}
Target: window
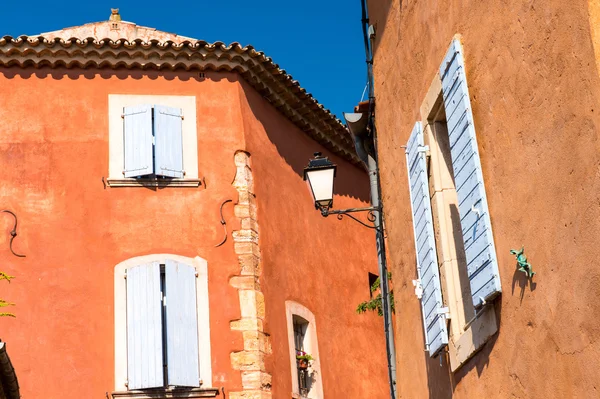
{"x":302,"y":337}
{"x":152,"y":141}
{"x":300,"y":327}
{"x":161,"y":324}
{"x":457,"y":270}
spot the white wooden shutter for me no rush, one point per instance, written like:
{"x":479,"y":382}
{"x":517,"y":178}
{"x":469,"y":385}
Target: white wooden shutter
{"x":144,"y":327}
{"x":482,"y":264}
{"x":182,"y":325}
{"x":169,"y":141}
{"x":436,"y":332}
{"x":137,"y":140}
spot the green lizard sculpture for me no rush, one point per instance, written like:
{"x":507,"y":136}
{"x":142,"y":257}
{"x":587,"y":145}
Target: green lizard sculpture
{"x":522,"y":264}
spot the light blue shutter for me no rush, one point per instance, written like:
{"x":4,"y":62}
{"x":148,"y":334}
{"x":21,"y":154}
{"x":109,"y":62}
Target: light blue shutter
{"x":169,"y":141}
{"x":436,"y":333}
{"x":144,"y":327}
{"x":182,"y":325}
{"x":482,"y":265}
{"x":137,"y":140}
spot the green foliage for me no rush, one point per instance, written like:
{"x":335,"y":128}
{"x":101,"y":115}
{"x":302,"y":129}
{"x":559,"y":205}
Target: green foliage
{"x":305,"y":356}
{"x":375,"y":303}
{"x":3,"y":303}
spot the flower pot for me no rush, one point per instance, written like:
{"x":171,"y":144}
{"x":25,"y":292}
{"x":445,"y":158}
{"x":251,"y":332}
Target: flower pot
{"x":302,"y":364}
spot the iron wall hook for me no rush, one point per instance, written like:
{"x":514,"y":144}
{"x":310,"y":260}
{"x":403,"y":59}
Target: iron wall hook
{"x":13,"y":232}
{"x":223,"y":223}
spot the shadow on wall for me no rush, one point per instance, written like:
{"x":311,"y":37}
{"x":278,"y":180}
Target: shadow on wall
{"x":442,"y":382}
{"x":121,"y":74}
{"x":379,"y":12}
{"x":297,"y":149}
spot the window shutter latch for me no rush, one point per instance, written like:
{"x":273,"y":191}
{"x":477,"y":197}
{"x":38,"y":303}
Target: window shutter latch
{"x":444,"y":312}
{"x":423,"y":148}
{"x":418,"y":288}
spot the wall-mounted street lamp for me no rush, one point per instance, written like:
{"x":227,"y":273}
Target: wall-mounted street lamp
{"x":320,"y":174}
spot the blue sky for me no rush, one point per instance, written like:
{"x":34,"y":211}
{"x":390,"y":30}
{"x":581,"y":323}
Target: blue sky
{"x":318,"y":42}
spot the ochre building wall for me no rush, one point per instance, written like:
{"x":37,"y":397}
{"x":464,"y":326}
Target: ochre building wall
{"x":534,"y":90}
{"x":54,"y":146}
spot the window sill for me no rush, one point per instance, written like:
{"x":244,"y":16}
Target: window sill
{"x":168,"y":393}
{"x":150,"y":182}
{"x":465,"y":346}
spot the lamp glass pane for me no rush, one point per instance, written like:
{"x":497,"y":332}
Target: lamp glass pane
{"x":321,"y":183}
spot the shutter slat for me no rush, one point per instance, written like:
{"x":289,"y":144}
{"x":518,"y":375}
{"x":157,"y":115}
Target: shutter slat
{"x":436,"y":333}
{"x":137,"y":140}
{"x":144,"y":327}
{"x":182,"y":325}
{"x":480,"y":251}
{"x":169,"y":141}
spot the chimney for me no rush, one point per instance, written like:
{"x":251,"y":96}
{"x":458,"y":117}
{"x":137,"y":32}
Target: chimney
{"x":114,"y":19}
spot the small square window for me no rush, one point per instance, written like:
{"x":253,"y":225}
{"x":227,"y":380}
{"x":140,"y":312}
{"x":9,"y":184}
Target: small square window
{"x":152,"y":141}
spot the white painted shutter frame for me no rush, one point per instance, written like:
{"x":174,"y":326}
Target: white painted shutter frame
{"x":137,"y":140}
{"x":144,"y":327}
{"x":182,"y":325}
{"x":482,"y":264}
{"x":168,"y":141}
{"x":436,"y":332}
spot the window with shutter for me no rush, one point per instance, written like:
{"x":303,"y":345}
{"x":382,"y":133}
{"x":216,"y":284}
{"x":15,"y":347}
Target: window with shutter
{"x":168,"y":159}
{"x":162,"y":326}
{"x":152,"y":145}
{"x":480,"y":253}
{"x":428,"y":283}
{"x":449,"y":181}
{"x":137,"y":141}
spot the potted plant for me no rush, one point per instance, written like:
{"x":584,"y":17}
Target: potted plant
{"x":303,"y":359}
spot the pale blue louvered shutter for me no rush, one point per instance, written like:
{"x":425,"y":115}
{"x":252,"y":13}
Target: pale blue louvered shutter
{"x":168,"y":141}
{"x":182,"y":325}
{"x":137,"y":140}
{"x":482,"y":265}
{"x":436,"y":332}
{"x":144,"y":327}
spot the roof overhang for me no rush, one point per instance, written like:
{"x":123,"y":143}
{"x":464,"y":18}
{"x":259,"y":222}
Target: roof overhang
{"x":272,"y":82}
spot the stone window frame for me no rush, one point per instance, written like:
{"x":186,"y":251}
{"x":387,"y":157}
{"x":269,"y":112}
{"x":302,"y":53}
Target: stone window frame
{"x":311,"y":346}
{"x":116,"y":157}
{"x":468,"y":330}
{"x":120,"y":313}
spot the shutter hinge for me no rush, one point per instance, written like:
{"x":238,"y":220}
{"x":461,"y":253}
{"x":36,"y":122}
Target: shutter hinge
{"x":418,"y":288}
{"x":423,"y":148}
{"x":444,"y":312}
{"x":122,"y":116}
{"x":127,"y":384}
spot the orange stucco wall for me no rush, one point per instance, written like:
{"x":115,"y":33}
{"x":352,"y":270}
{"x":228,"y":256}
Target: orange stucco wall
{"x":535,"y":95}
{"x":305,"y":258}
{"x":54,"y":153}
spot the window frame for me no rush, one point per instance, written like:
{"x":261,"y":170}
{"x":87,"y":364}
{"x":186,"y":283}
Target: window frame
{"x":120,"y":314}
{"x":311,"y":346}
{"x":468,"y":331}
{"x":116,"y":104}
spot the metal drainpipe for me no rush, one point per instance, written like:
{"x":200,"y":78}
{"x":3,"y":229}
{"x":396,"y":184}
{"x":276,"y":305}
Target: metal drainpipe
{"x":376,"y":202}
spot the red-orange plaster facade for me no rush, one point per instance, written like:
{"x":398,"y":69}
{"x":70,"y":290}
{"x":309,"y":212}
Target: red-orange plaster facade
{"x":75,"y":226}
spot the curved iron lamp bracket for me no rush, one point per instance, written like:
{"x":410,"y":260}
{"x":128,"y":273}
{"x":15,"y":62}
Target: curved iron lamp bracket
{"x":13,"y":232}
{"x":223,"y":223}
{"x":347,"y":212}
